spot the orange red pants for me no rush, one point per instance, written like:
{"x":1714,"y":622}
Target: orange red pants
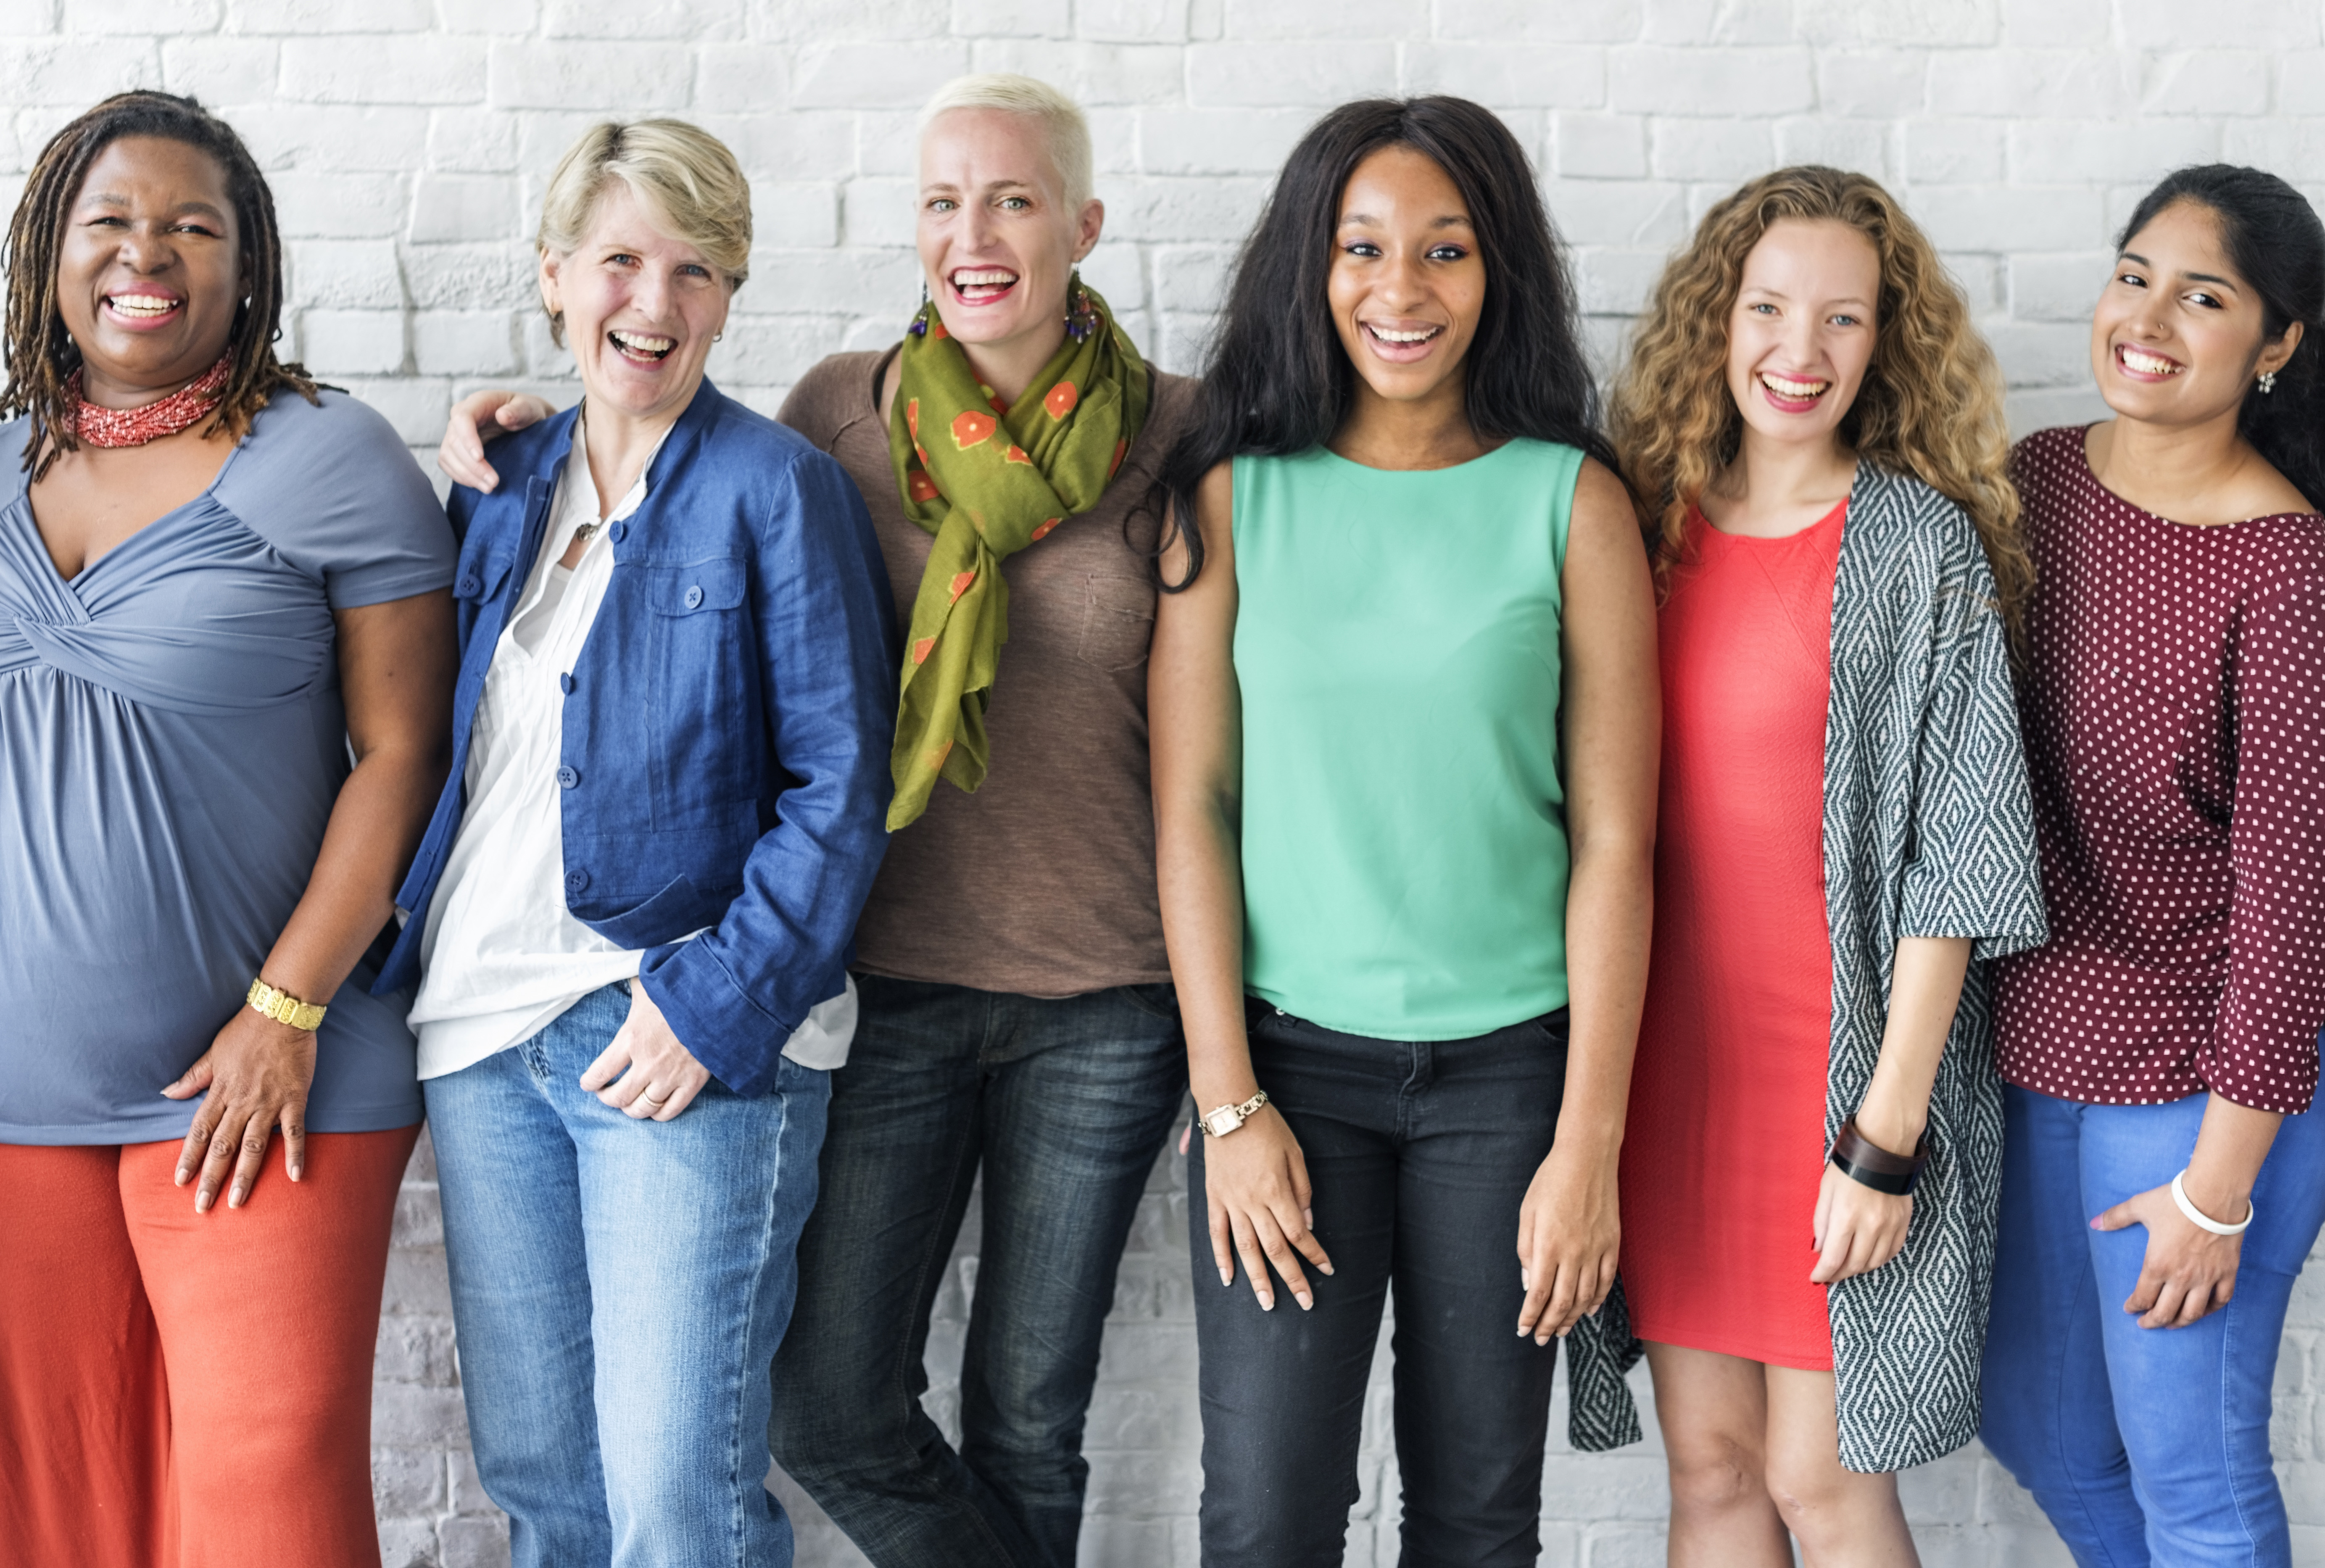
{"x":190,"y":1391}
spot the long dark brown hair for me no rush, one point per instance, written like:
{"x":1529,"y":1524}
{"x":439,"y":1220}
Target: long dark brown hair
{"x":1277,"y":379}
{"x":41,"y":355}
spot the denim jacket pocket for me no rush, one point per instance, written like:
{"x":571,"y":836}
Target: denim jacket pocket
{"x":704,"y":712}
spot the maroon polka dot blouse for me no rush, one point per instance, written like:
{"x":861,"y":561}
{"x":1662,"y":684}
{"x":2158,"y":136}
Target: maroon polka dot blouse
{"x":2175,"y":723}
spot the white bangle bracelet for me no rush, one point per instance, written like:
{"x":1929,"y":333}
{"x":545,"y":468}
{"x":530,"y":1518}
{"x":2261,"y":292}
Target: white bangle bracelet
{"x":2204,"y":1221}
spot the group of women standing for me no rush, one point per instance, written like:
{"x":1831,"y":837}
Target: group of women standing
{"x":1773,"y":876}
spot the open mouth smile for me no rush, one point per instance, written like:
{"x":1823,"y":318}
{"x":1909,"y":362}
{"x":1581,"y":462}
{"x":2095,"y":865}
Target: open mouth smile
{"x":1401,"y":345}
{"x":2142,"y":366}
{"x":641,"y":348}
{"x":143,"y":308}
{"x":980,"y":285}
{"x":1790,"y":394}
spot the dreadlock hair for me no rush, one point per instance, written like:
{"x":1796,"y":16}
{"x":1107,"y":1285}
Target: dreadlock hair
{"x":40,"y":355}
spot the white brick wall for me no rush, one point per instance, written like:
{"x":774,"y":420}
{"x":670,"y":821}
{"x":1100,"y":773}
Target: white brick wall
{"x":408,"y":140}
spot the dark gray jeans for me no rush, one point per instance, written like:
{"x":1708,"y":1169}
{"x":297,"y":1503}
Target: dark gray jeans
{"x":1420,"y":1154}
{"x":1065,"y":1104}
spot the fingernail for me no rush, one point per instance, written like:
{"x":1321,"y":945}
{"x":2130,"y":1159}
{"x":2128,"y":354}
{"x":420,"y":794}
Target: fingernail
{"x":1525,"y":1279}
{"x":201,"y":1202}
{"x":233,"y":1198}
{"x":1325,"y":1267}
{"x":182,"y":1174}
{"x":1307,"y":1218}
{"x":296,"y":1170}
{"x":1307,"y":1303}
{"x":1226,"y":1277}
{"x":1267,"y":1303}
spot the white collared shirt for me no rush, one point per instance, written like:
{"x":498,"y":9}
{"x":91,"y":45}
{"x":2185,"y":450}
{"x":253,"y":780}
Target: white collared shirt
{"x":501,"y":955}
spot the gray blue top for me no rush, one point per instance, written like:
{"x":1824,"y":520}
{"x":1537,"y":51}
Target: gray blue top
{"x":171,"y":742}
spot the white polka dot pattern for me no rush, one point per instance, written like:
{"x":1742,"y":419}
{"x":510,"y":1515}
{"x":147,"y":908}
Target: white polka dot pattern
{"x":2175,"y":723}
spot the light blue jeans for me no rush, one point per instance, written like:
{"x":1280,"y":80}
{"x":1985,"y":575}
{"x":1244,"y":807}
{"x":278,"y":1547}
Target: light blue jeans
{"x":618,"y":1289}
{"x":2143,"y":1445}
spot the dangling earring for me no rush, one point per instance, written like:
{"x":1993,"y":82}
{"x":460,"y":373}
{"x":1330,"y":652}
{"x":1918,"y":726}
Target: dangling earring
{"x":1082,"y":318}
{"x":2267,"y":382}
{"x":919,"y":318}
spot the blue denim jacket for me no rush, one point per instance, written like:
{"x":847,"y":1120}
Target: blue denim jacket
{"x":726,"y":723}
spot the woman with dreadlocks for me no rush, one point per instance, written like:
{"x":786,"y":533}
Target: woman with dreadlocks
{"x":226,"y":676}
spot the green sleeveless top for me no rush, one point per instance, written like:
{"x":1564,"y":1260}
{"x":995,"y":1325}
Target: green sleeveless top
{"x":1404,"y":855}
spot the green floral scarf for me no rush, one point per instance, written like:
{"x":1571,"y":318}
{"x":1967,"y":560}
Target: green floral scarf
{"x":988,"y":480}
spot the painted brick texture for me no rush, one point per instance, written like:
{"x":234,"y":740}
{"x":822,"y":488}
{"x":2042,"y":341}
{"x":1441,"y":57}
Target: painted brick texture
{"x":408,"y":141}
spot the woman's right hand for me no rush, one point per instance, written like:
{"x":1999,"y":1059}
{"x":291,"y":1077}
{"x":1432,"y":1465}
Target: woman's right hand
{"x":1255,"y":1181}
{"x":477,"y":418}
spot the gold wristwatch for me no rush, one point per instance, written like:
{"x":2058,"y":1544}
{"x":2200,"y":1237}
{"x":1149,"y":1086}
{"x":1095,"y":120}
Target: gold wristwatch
{"x":1228,"y":1118}
{"x":284,"y":1007}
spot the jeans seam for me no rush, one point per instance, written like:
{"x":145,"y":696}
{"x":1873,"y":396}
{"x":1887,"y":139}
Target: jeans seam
{"x":899,"y":1372}
{"x":741,"y":1528}
{"x":2227,"y":1446}
{"x":2089,"y":1289}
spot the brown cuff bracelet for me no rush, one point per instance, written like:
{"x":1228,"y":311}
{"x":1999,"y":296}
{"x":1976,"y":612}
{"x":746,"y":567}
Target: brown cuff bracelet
{"x":1861,"y":1160}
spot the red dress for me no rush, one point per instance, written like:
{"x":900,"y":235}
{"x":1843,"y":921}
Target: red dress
{"x":1725,"y":1141}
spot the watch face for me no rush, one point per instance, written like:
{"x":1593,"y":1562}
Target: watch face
{"x":1221,"y":1122}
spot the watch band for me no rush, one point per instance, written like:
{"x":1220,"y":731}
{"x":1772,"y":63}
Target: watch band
{"x":1863,"y":1161}
{"x":272,"y":1002}
{"x":1235,"y":1116}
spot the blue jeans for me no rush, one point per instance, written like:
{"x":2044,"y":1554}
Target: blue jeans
{"x":1065,"y":1104}
{"x":1420,"y":1154}
{"x":2143,"y":1445}
{"x":618,"y":1287}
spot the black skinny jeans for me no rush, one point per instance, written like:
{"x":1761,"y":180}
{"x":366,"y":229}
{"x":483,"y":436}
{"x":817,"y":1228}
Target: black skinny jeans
{"x":1420,"y":1154}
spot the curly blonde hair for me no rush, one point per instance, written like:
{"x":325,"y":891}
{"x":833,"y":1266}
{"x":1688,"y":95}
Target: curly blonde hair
{"x":1931,"y":404}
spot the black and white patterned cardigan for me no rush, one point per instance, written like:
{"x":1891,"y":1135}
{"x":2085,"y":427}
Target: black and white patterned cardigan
{"x":1929,"y":831}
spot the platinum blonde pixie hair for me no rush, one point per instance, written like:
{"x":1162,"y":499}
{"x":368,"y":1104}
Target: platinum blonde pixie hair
{"x":684,"y":173}
{"x":1063,"y":125}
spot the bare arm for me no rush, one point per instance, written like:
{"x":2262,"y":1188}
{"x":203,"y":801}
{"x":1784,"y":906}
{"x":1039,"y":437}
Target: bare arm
{"x":1858,"y":1229}
{"x":396,"y":664}
{"x":1255,"y":1181}
{"x":1569,"y":1227}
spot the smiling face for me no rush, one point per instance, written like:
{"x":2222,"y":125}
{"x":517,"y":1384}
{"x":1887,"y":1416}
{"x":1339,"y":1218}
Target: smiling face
{"x":641,"y":308}
{"x":150,"y":272}
{"x":2178,"y":337}
{"x":1802,"y":332}
{"x":998,"y":239}
{"x":1407,"y":283}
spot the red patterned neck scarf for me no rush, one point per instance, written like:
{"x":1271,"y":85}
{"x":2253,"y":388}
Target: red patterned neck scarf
{"x":133,"y":427}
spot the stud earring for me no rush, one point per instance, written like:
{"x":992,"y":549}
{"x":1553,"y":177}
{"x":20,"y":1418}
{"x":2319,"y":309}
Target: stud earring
{"x":2267,"y":382}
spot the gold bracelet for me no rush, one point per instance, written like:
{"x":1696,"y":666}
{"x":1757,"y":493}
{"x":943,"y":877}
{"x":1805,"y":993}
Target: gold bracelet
{"x":284,"y":1007}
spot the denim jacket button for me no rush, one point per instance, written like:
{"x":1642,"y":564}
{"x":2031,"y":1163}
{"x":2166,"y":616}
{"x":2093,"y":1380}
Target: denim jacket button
{"x":469,"y":586}
{"x":694,"y":599}
{"x":567,"y":779}
{"x":618,"y":531}
{"x":575,"y":881}
{"x":565,"y":682}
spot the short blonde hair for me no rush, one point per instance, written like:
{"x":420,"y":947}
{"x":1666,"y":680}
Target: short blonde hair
{"x":1063,"y":125}
{"x":686,"y":174}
